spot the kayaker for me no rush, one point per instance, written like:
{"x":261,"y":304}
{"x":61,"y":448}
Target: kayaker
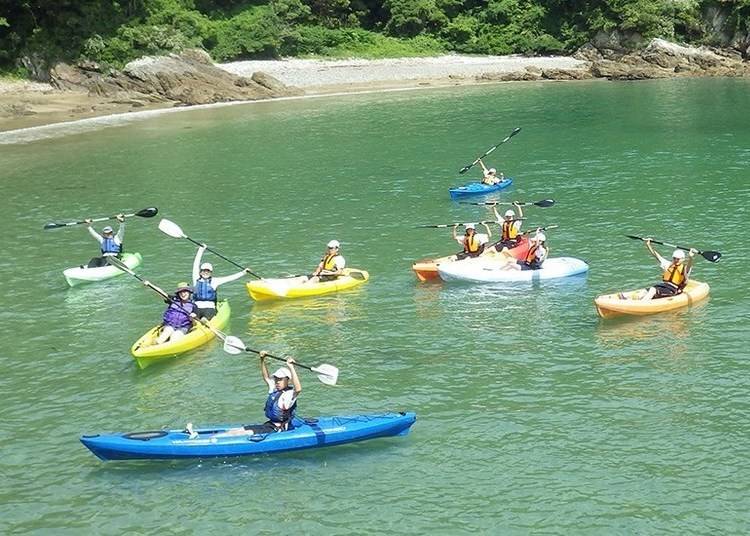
{"x":205,"y":285}
{"x":111,"y":244}
{"x":675,"y":276}
{"x":472,"y":242}
{"x":490,"y":175}
{"x":178,"y":318}
{"x":331,"y":265}
{"x":281,"y":402}
{"x":510,"y":228}
{"x":538,"y":252}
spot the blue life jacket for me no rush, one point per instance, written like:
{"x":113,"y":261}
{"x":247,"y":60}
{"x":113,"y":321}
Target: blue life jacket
{"x":203,"y":291}
{"x":177,"y":314}
{"x":109,"y":246}
{"x":273,"y":412}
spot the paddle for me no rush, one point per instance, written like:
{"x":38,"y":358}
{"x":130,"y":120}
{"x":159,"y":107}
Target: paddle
{"x":469,"y":166}
{"x":327,"y":374}
{"x":149,"y":212}
{"x":117,"y":263}
{"x":172,"y":229}
{"x":712,"y":256}
{"x":540,"y":228}
{"x":543,"y":203}
{"x":445,"y":225}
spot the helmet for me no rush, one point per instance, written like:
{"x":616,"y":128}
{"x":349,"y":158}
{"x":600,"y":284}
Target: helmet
{"x":207,"y":266}
{"x":283,"y":372}
{"x":541,"y":237}
{"x":678,"y":254}
{"x":107,"y":229}
{"x":334,"y":244}
{"x":509,"y":213}
{"x":184,"y":286}
{"x":492,"y":170}
{"x":470,"y":226}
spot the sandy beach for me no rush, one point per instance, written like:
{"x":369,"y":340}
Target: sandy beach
{"x":27,"y":104}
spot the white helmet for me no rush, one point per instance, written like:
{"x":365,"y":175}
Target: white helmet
{"x":509,"y":213}
{"x":541,"y":237}
{"x":283,"y":372}
{"x":107,"y":229}
{"x":678,"y":254}
{"x":470,"y":226}
{"x":334,"y":244}
{"x":207,"y":266}
{"x":492,"y":170}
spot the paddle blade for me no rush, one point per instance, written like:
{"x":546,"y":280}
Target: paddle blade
{"x":233,"y":345}
{"x":464,"y":170}
{"x":171,"y":228}
{"x":53,"y":225}
{"x":545,"y":203}
{"x":327,"y":374}
{"x":712,"y":256}
{"x":149,"y":212}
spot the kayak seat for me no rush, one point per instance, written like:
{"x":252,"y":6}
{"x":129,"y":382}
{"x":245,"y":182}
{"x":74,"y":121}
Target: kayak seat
{"x":145,"y":436}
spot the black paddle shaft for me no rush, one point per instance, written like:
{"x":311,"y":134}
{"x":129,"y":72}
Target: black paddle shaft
{"x":149,"y":212}
{"x":711,"y":256}
{"x":469,"y":166}
{"x":230,"y":261}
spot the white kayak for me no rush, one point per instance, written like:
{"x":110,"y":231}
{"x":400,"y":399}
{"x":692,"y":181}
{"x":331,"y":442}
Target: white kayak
{"x":83,"y":274}
{"x":488,"y":271}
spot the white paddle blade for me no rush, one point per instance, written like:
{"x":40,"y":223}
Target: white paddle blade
{"x":327,"y":374}
{"x":170,"y":228}
{"x":233,"y":345}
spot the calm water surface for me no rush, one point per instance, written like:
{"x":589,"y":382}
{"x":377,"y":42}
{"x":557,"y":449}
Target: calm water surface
{"x":533,"y":415}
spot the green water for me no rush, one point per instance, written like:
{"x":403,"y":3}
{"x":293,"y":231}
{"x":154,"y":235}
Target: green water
{"x":533,"y":415}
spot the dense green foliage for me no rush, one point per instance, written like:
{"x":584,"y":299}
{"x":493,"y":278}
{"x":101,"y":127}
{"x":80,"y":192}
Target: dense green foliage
{"x":116,"y":31}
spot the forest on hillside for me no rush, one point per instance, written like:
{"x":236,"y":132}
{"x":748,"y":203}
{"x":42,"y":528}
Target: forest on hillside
{"x":113,"y":32}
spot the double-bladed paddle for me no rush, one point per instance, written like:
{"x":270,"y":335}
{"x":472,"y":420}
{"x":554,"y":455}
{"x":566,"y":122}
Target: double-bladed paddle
{"x":117,"y":263}
{"x":712,"y":256}
{"x":445,"y":225}
{"x":542,"y":203}
{"x":170,"y":228}
{"x":539,"y":229}
{"x":474,"y":163}
{"x":149,"y":212}
{"x":327,"y":374}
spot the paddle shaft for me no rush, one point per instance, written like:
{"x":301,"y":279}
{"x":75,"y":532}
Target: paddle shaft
{"x":117,"y":263}
{"x":712,"y":256}
{"x":145,"y":213}
{"x":543,"y":203}
{"x":230,"y":261}
{"x":250,"y":350}
{"x":474,"y":163}
{"x":446,"y":225}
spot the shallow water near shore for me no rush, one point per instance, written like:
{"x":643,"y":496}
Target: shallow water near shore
{"x":533,"y":414}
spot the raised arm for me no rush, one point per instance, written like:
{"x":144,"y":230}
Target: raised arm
{"x":120,"y":236}
{"x":197,"y":262}
{"x":485,"y":171}
{"x":455,"y":227}
{"x":654,"y":253}
{"x":487,"y":227}
{"x":295,"y":378}
{"x":93,"y":232}
{"x":217,"y":281}
{"x":519,"y":209}
{"x":263,"y":368}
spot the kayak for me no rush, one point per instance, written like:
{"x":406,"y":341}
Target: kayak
{"x":83,"y":274}
{"x":146,"y":352}
{"x":297,"y":287}
{"x":427,"y":269}
{"x":627,"y":303}
{"x":479,"y":270}
{"x":477,"y":188}
{"x":213,"y":442}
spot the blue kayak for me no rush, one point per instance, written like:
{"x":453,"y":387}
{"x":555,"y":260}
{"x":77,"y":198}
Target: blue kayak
{"x":477,"y":188}
{"x":215,"y":442}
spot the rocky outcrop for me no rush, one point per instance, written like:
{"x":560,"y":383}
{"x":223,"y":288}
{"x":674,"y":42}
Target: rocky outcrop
{"x":535,"y":73}
{"x":187,"y":78}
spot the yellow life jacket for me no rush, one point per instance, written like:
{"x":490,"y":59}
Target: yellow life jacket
{"x":510,"y":231}
{"x":531,"y":255}
{"x":471,"y":243}
{"x":675,"y":274}
{"x":328,"y":263}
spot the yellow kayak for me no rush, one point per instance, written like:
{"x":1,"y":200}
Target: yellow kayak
{"x":298,"y":287}
{"x":146,"y":352}
{"x":627,"y":303}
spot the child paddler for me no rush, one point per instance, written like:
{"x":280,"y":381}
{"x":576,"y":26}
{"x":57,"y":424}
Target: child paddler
{"x":675,"y":273}
{"x":178,"y":318}
{"x":472,"y":242}
{"x":205,"y":285}
{"x":330,"y":266}
{"x":110,"y":243}
{"x":510,"y":228}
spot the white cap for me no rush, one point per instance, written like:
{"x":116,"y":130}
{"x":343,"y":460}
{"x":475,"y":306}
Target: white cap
{"x":509,"y":213}
{"x":283,"y":372}
{"x":541,"y":237}
{"x":207,"y":266}
{"x":492,"y":170}
{"x":107,"y":229}
{"x":470,"y":226}
{"x":333,"y":244}
{"x":678,"y":254}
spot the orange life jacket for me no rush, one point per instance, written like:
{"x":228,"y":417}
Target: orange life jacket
{"x":510,"y":232}
{"x":471,"y":243}
{"x":675,"y":274}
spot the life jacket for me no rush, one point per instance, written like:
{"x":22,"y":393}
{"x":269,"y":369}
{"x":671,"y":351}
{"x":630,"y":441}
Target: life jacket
{"x":110,"y":247}
{"x":273,"y":411}
{"x":328,"y":263}
{"x":471,"y":244}
{"x":531,"y":255}
{"x":203,"y":291}
{"x":177,"y":314}
{"x":510,"y":231}
{"x":675,"y":275}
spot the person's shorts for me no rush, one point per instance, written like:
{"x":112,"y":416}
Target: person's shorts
{"x":665,"y":290}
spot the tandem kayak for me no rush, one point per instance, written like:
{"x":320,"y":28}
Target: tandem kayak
{"x":628,"y":303}
{"x":146,"y":352}
{"x":83,"y":274}
{"x":479,"y":270}
{"x":477,"y":188}
{"x":214,"y":441}
{"x":427,"y":269}
{"x":297,"y":287}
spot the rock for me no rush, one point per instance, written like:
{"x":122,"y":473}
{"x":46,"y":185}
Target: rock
{"x":566,"y":74}
{"x":669,"y":55}
{"x":271,"y":83}
{"x":614,"y":70}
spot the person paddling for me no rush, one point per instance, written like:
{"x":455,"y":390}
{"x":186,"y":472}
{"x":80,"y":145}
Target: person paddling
{"x":675,"y":276}
{"x":490,"y":175}
{"x":538,"y":252}
{"x":110,"y":243}
{"x":510,"y":228}
{"x":205,"y":285}
{"x":472,"y":242}
{"x":281,"y":403}
{"x":178,"y":318}
{"x":330,"y":266}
